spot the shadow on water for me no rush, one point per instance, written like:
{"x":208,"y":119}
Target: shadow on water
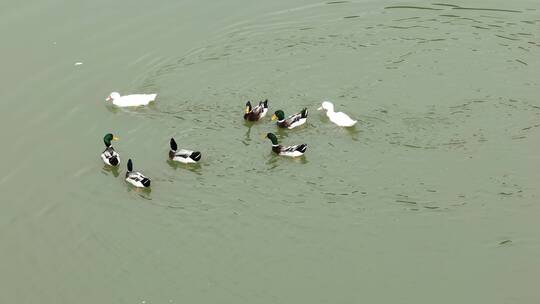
{"x":110,"y":170}
{"x":142,"y":192}
{"x":353,"y":132}
{"x":247,"y":136}
{"x":111,"y":108}
{"x":195,"y":168}
{"x":281,"y":132}
{"x":274,"y":161}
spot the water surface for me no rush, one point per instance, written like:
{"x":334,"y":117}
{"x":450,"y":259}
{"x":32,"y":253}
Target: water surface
{"x":432,"y":198}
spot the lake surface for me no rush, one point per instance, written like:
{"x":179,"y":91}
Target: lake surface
{"x":432,"y":198}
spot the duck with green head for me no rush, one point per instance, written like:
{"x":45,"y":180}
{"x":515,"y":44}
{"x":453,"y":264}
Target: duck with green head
{"x":292,"y":121}
{"x":109,"y":156}
{"x":290,"y":151}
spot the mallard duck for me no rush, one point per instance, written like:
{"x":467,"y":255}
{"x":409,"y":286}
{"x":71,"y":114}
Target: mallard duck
{"x":136,"y":178}
{"x":183,"y":155}
{"x":292,"y":121}
{"x":291,"y":151}
{"x":109,"y":156}
{"x":256,"y":113}
{"x":134,"y":100}
{"x":339,"y":118}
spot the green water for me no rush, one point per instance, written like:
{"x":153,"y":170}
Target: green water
{"x":432,"y":198}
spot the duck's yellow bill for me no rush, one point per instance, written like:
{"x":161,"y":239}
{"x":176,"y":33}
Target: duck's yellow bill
{"x":246,"y":110}
{"x":274,"y":117}
{"x":263,"y":136}
{"x":115,"y":138}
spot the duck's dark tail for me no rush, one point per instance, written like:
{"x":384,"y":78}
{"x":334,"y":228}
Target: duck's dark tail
{"x":146,"y":182}
{"x":130,"y":165}
{"x":114,"y":161}
{"x":196,"y":156}
{"x":304,"y":113}
{"x":265,"y":103}
{"x":301,"y":148}
{"x":173,"y":145}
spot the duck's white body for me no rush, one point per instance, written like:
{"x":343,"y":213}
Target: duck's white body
{"x":184,"y":156}
{"x":293,"y":151}
{"x":294,"y":120}
{"x":297,"y":123}
{"x":110,"y":157}
{"x":135,"y":178}
{"x":133,"y":100}
{"x":339,"y":118}
{"x":290,"y":151}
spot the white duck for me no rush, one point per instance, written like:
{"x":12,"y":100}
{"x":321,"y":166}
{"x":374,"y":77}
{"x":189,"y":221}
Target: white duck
{"x":339,"y":118}
{"x":133,"y":100}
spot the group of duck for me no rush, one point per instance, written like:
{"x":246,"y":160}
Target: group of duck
{"x":111,"y":158}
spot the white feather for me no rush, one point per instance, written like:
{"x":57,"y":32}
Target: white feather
{"x":263,"y":114}
{"x":292,"y":154}
{"x":107,"y":155}
{"x":339,"y":118}
{"x":133,"y":100}
{"x":185,"y":159}
{"x":135,"y":178}
{"x":184,"y":156}
{"x":297,"y":123}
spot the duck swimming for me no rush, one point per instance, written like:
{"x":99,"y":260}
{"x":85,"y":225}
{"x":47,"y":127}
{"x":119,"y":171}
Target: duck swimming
{"x":183,"y":155}
{"x":136,"y":178}
{"x":133,"y":100}
{"x":291,"y":151}
{"x":292,"y":121}
{"x":256,"y":113}
{"x":339,"y":118}
{"x":109,"y":156}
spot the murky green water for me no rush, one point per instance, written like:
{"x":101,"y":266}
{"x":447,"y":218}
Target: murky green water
{"x":433,"y":198}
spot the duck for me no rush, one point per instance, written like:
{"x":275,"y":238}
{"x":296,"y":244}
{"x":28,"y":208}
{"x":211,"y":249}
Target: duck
{"x":136,"y":178}
{"x":292,"y":121}
{"x":183,"y":156}
{"x":109,"y":156}
{"x":256,"y":113}
{"x":290,"y":151}
{"x":133,"y":100}
{"x":339,"y":118}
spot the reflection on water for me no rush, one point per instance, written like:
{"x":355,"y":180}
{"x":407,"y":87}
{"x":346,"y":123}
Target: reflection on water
{"x":195,"y":168}
{"x":110,"y":170}
{"x":143,"y":193}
